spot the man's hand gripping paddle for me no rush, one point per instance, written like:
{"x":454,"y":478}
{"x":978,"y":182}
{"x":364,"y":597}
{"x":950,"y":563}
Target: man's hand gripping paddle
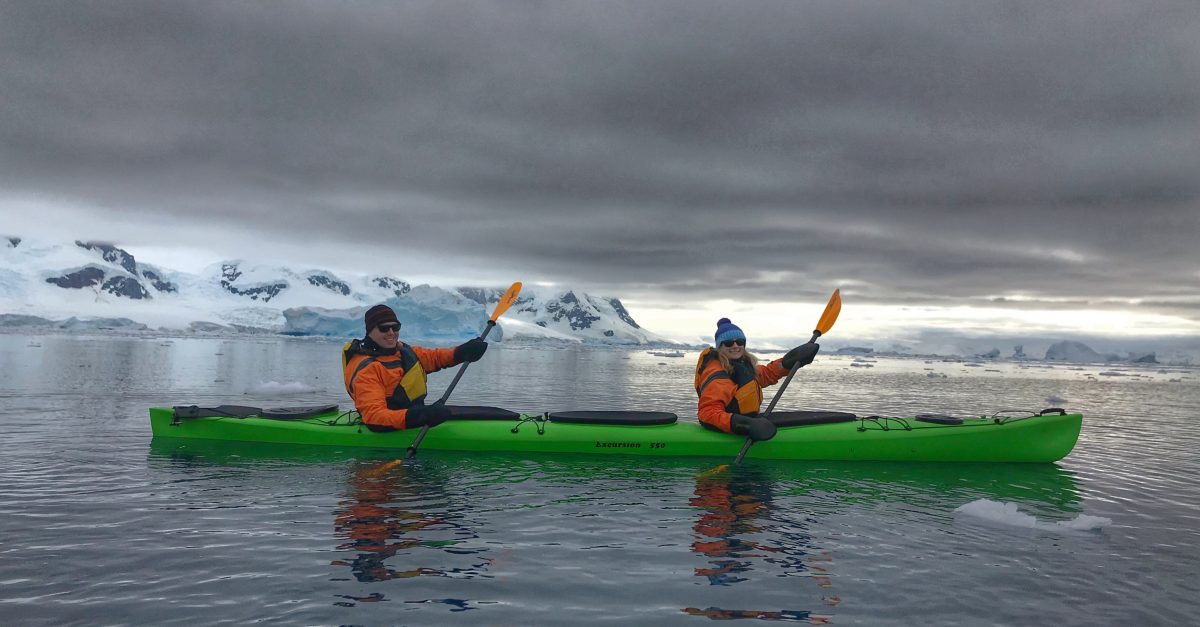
{"x":506,"y":301}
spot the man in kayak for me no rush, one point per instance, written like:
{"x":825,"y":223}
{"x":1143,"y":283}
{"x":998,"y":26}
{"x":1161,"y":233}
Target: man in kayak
{"x":729,"y":381}
{"x":387,"y":378}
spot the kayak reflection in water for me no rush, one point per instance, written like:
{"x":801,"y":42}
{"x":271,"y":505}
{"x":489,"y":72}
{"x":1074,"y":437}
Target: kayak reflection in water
{"x":720,"y":614}
{"x":387,"y":378}
{"x":729,"y":382}
{"x":737,"y":502}
{"x":378,"y":530}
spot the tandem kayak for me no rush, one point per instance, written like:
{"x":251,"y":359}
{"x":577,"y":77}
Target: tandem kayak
{"x":1044,"y":436}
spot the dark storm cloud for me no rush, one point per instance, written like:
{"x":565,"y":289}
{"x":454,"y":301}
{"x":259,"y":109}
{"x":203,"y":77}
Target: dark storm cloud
{"x":923,"y":152}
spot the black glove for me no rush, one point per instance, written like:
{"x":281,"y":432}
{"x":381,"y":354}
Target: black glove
{"x":802,"y":354}
{"x":471,"y":351}
{"x":754,"y":427}
{"x":426,"y":415}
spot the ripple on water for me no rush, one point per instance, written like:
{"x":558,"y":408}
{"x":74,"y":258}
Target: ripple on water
{"x":99,"y":524}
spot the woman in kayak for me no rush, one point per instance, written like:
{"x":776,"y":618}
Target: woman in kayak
{"x":729,"y":381}
{"x":386,"y":377}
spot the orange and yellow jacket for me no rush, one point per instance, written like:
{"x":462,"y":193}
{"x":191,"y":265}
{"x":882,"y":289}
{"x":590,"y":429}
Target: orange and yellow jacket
{"x":384,"y":385}
{"x":723,"y":394}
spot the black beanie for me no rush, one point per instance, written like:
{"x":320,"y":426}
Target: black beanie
{"x":378,"y":315}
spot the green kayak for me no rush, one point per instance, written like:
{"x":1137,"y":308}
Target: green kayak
{"x":1045,"y":436}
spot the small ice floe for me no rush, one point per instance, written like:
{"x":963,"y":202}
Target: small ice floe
{"x":973,"y":364}
{"x":274,"y":388}
{"x":666,"y":353}
{"x":862,"y":364}
{"x":1055,"y":399}
{"x":1008,"y":514}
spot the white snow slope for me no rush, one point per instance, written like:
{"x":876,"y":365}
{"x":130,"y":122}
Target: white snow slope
{"x":89,"y":280}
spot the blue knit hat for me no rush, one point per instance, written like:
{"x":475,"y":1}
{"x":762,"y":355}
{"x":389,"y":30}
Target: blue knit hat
{"x":727,"y":330}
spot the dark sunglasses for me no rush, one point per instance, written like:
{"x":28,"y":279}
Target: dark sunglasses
{"x":388,"y":327}
{"x":730,"y":343}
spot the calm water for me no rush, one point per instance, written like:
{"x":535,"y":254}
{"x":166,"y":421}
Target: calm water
{"x":100,"y":525}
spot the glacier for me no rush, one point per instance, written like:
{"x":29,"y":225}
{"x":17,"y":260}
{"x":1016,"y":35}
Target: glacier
{"x":97,"y":285}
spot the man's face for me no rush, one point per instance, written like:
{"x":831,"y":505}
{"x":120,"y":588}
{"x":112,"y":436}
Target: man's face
{"x":386,"y":334}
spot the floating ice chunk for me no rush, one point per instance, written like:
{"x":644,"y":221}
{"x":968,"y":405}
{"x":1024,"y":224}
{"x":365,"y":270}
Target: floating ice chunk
{"x":1004,"y":513}
{"x":1083,"y":522}
{"x":1008,"y":514}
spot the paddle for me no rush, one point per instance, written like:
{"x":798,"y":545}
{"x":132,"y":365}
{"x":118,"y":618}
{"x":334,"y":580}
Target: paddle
{"x":823,"y":326}
{"x":506,"y":301}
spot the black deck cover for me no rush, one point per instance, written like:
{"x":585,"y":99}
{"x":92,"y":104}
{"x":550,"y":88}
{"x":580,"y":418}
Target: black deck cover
{"x":297,"y":413}
{"x":806,"y":418}
{"x":226,"y":411}
{"x":939,"y":419}
{"x":480,"y":412}
{"x":629,"y":418}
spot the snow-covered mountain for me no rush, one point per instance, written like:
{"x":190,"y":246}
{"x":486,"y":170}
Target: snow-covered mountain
{"x":91,"y":280}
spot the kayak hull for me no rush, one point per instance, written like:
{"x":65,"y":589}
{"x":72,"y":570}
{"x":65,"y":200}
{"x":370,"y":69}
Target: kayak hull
{"x":1043,"y":438}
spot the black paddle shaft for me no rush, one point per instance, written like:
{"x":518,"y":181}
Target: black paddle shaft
{"x":791,"y":373}
{"x":412,"y":448}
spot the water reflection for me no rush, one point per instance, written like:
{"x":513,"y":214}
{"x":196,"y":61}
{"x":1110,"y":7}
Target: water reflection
{"x":717,"y":613}
{"x":738,"y":527}
{"x":394,"y":521}
{"x":1046,"y":489}
{"x":381,"y":519}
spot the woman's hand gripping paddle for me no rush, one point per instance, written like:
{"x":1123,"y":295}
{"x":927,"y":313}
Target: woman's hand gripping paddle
{"x":506,"y":301}
{"x":823,"y":326}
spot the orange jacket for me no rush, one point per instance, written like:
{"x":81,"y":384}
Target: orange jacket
{"x":378,"y":383}
{"x":722,"y":394}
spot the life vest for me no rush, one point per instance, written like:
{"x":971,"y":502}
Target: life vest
{"x":411,"y":389}
{"x":747,"y":398}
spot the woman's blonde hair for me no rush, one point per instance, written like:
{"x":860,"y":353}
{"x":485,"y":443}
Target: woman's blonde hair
{"x":727,"y":365}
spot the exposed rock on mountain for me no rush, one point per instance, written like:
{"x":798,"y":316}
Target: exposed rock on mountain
{"x":396,"y":286}
{"x":329,"y":282}
{"x":111,"y":254}
{"x":255,"y":290}
{"x":79,"y":279}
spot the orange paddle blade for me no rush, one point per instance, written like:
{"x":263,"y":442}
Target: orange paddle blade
{"x":831,"y":312}
{"x":507,"y":300}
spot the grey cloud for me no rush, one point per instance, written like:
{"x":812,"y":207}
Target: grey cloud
{"x":934,"y":152}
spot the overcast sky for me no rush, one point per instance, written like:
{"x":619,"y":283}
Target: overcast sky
{"x":974,"y":162}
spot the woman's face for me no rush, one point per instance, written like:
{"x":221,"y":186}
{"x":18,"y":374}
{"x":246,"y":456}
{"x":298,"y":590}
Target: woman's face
{"x":732,"y":349}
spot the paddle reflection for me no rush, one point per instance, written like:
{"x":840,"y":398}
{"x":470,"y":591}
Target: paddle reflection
{"x":381,"y":522}
{"x":739,"y":530}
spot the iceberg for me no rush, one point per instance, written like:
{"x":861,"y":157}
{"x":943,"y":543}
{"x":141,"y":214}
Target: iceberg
{"x":426,"y":313}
